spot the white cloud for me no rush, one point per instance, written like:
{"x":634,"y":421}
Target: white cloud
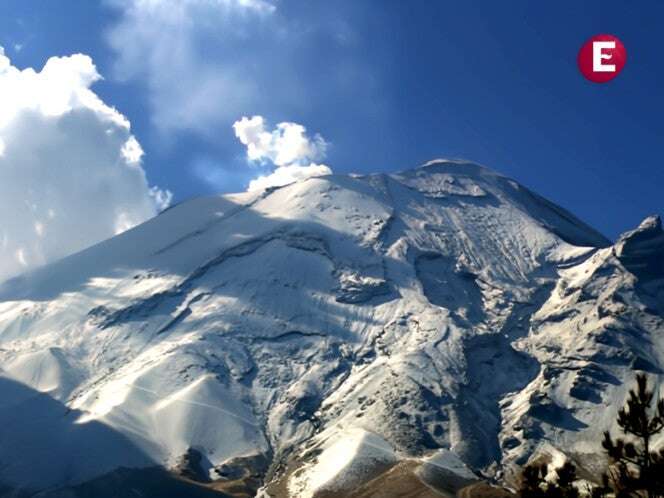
{"x":195,"y":57}
{"x":132,"y":151}
{"x":287,"y":147}
{"x":202,"y":63}
{"x":70,"y":170}
{"x":286,"y":144}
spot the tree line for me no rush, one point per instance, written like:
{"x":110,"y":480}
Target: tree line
{"x":634,"y":470}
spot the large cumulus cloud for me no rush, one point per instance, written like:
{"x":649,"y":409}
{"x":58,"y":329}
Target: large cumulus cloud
{"x":70,"y":169}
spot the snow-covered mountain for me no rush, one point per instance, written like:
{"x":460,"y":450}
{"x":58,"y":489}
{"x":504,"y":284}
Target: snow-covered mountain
{"x":444,"y":322}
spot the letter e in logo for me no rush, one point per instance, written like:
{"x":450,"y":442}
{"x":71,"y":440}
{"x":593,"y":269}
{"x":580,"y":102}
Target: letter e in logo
{"x":602,"y":58}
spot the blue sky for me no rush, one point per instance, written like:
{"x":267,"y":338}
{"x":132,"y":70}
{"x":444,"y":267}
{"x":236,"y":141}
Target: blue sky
{"x":387,"y":84}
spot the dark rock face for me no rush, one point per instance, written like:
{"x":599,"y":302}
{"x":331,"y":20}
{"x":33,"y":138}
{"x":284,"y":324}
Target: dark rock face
{"x":641,"y":251}
{"x":243,"y":467}
{"x":241,"y":476}
{"x":191,"y":466}
{"x":448,"y":286}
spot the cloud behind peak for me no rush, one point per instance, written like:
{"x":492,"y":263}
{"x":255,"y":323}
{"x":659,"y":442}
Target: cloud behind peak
{"x":287,"y":147}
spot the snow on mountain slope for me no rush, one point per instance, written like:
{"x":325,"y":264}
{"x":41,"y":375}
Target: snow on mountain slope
{"x":442,"y":308}
{"x":603,"y":321}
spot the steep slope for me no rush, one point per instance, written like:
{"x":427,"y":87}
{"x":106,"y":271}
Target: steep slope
{"x":319,"y":333}
{"x":603,"y":321}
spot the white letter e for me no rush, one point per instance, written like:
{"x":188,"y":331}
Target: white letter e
{"x":599,"y":56}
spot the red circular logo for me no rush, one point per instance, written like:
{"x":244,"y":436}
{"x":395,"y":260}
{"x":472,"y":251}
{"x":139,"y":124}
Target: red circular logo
{"x":602,"y":58}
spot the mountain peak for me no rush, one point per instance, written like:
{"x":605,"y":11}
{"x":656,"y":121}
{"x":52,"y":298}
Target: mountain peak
{"x":653,"y":222}
{"x":473,"y":185}
{"x":642,"y":250}
{"x":458,"y":166}
{"x":650,"y":228}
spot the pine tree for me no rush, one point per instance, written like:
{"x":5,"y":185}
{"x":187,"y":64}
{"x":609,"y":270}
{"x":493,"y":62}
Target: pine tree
{"x":533,"y":481}
{"x":566,"y":475}
{"x":535,"y":485}
{"x":636,"y":470}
